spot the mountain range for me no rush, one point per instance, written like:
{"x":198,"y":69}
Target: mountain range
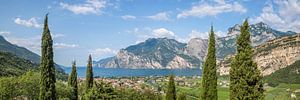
{"x":164,"y":53}
{"x":155,"y":53}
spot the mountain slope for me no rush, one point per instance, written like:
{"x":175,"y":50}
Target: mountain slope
{"x":289,"y":75}
{"x":153,"y":53}
{"x":11,"y":65}
{"x":22,"y":52}
{"x":19,"y":51}
{"x":271,"y":56}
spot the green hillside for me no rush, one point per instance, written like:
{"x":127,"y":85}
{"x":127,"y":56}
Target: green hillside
{"x":11,"y":65}
{"x":22,"y":52}
{"x":289,"y":75}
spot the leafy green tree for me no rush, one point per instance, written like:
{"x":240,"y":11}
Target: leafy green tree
{"x":47,"y":81}
{"x":101,"y":91}
{"x":209,"y":78}
{"x":24,"y":86}
{"x":8,"y":88}
{"x":72,"y":81}
{"x":89,"y":75}
{"x":63,"y":90}
{"x":171,"y":91}
{"x":29,"y":85}
{"x":245,"y":78}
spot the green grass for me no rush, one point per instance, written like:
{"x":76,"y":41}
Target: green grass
{"x":281,"y":92}
{"x":194,"y":93}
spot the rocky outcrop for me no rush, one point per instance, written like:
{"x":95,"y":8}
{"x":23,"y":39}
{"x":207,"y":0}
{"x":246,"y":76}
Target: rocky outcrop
{"x":277,"y":53}
{"x":271,"y":56}
{"x":197,"y":47}
{"x":178,"y":62}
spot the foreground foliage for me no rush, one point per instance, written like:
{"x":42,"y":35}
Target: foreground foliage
{"x":209,"y":78}
{"x":245,"y":78}
{"x":47,"y":82}
{"x":171,"y":90}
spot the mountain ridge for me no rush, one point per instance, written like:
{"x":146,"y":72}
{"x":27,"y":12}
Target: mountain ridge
{"x":153,"y":53}
{"x":195,"y":48}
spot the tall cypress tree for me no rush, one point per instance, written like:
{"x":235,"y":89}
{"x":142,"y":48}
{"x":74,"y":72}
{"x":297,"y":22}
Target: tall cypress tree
{"x":171,"y":92}
{"x":47,"y":82}
{"x":72,"y":81}
{"x":89,"y":75}
{"x":245,"y":78}
{"x":209,"y":78}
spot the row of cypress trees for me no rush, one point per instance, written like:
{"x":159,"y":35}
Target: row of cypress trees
{"x":47,"y":82}
{"x":245,"y":77}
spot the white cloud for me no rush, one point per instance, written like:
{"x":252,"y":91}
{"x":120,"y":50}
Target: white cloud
{"x":198,"y":34}
{"x":147,"y":32}
{"x":89,"y":7}
{"x":64,"y":45}
{"x":34,"y":43}
{"x":100,"y":52}
{"x":162,"y":32}
{"x":4,"y":33}
{"x":32,"y":22}
{"x":162,"y":16}
{"x":205,"y":9}
{"x":285,"y":18}
{"x":193,"y":34}
{"x":220,"y":33}
{"x":128,"y":17}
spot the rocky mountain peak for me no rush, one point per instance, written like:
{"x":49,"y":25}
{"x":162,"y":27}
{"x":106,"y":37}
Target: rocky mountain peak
{"x":234,"y":30}
{"x":197,"y":47}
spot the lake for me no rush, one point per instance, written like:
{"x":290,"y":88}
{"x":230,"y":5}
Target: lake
{"x":120,"y":72}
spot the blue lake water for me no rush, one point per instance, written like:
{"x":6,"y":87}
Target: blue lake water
{"x":119,"y":72}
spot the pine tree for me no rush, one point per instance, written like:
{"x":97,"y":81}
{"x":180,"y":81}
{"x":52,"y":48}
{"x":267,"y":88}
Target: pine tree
{"x":245,"y":78}
{"x":171,"y":92}
{"x":89,"y":75}
{"x":72,"y":81}
{"x":209,"y":78}
{"x":47,"y":82}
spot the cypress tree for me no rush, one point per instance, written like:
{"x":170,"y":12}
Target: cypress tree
{"x":209,"y":78}
{"x":245,"y":78}
{"x":47,"y":82}
{"x":89,"y":75}
{"x":171,"y":92}
{"x":72,"y":81}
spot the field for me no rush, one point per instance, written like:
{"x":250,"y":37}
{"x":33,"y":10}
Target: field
{"x":280,"y":92}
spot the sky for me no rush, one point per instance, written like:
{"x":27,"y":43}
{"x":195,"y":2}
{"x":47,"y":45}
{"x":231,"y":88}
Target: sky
{"x":102,"y":27}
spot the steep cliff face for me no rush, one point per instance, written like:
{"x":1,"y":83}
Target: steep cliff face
{"x":154,"y":53}
{"x":271,"y":56}
{"x":197,"y":47}
{"x":278,"y":53}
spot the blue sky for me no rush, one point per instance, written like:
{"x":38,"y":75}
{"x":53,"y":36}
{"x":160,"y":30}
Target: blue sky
{"x":102,"y":27}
